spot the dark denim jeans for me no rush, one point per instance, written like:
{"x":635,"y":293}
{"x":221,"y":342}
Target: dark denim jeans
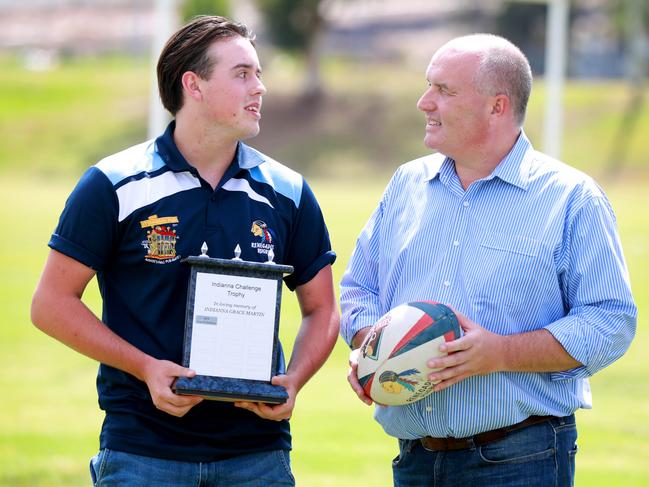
{"x":542,"y":455}
{"x":110,"y":468}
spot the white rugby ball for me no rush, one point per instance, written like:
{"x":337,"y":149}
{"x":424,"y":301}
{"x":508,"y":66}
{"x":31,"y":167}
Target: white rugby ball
{"x":392,"y":365}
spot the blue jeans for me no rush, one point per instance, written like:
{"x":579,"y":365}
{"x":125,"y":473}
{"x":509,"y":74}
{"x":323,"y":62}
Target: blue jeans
{"x":541,"y":455}
{"x":111,"y":468}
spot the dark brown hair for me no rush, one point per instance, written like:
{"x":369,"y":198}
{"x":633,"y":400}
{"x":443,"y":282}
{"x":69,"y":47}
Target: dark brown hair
{"x":186,"y":50}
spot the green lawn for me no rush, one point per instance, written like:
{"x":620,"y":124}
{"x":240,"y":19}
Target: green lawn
{"x":57,"y":123}
{"x":50,"y":420}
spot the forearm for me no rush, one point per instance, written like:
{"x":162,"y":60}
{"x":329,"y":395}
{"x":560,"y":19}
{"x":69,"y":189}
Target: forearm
{"x":57,"y":310}
{"x":68,"y":319}
{"x":480,"y":352}
{"x":536,"y":351}
{"x":313,"y":344}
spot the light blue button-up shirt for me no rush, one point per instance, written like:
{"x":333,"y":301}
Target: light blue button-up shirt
{"x":534,"y":245}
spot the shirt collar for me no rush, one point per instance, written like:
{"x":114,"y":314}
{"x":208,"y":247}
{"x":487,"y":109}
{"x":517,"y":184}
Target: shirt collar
{"x":249,"y":157}
{"x":246,"y":157}
{"x":514,"y":168}
{"x":166,"y":147}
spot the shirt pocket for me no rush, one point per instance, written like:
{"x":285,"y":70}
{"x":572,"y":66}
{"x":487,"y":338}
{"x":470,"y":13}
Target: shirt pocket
{"x":511,"y":244}
{"x":508,"y":272}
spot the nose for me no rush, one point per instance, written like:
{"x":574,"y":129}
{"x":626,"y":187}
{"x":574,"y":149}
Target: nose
{"x":259,"y":88}
{"x":426,"y":102}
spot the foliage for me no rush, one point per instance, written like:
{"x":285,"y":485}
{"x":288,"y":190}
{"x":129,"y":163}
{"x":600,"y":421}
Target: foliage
{"x":296,"y":26}
{"x":292,"y":24}
{"x":621,"y":11}
{"x":192,"y":8}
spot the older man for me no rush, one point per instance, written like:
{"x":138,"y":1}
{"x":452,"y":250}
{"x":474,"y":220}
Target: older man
{"x":525,"y":249}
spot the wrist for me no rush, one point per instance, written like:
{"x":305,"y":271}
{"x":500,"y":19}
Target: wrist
{"x":502,"y":352}
{"x":143,"y":366}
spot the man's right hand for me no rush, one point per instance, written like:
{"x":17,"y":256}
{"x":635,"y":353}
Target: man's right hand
{"x":159,"y":375}
{"x":352,"y":377}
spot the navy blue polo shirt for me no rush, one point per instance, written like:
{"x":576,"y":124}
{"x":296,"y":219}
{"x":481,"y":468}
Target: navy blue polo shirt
{"x":132,"y":218}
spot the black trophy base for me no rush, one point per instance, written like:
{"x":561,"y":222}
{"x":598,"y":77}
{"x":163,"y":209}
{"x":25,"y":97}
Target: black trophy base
{"x":229,"y":389}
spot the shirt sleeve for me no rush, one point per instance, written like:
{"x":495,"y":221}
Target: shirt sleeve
{"x":359,"y":289}
{"x":601,"y":318}
{"x":310,"y":247}
{"x":88,"y":224}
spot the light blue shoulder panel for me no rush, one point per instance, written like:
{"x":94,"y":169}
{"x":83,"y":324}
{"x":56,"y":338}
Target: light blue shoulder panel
{"x":268,"y":171}
{"x":135,"y":160}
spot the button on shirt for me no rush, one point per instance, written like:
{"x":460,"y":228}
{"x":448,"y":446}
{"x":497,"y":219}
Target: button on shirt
{"x":533,"y":245}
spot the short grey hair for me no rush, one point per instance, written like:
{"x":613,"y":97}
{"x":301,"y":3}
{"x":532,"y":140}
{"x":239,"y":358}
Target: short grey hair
{"x":502,"y":69}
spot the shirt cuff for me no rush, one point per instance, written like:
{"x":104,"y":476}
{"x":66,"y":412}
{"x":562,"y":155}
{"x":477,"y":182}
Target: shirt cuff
{"x":75,"y":252}
{"x":579,"y":342}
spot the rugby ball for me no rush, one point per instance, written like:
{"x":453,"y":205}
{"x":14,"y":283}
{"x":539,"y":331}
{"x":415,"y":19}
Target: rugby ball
{"x":392,"y":365}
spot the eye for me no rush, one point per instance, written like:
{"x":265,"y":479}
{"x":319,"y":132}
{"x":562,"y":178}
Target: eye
{"x":242,"y":75}
{"x":444,"y":90}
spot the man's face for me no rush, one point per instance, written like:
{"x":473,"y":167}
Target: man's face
{"x":233,"y":91}
{"x":457,"y":117}
{"x":392,"y":387}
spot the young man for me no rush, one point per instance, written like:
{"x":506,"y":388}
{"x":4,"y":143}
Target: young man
{"x":525,"y":249}
{"x":130,"y":220}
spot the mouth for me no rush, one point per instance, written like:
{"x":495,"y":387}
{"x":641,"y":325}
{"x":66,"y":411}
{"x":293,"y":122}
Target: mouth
{"x":433,"y":123}
{"x":254,"y":108}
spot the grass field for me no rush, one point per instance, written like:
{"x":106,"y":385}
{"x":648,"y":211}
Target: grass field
{"x":49,"y":420}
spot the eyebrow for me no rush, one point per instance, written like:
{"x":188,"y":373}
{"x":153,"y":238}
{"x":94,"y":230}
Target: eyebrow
{"x":245,"y":66}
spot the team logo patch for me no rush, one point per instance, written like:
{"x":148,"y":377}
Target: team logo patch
{"x":161,"y":238}
{"x":265,"y":237}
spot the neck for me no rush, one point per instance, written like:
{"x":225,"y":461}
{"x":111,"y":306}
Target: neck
{"x":208,"y":152}
{"x":481,"y":161}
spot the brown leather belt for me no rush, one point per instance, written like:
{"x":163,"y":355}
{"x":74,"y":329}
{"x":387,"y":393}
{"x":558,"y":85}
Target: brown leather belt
{"x":448,"y":444}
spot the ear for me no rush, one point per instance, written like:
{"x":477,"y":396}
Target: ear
{"x":500,"y":105}
{"x":191,"y":85}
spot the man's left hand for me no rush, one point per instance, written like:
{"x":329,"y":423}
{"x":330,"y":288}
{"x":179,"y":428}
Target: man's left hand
{"x":274,"y":412}
{"x":477,"y":352}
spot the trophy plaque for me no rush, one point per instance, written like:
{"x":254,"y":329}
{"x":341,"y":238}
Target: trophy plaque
{"x":231,"y":329}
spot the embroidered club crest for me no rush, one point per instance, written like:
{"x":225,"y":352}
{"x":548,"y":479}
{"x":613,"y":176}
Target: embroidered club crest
{"x":260,"y":230}
{"x":161,"y":238}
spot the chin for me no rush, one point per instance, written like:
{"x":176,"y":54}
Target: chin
{"x":431,"y":144}
{"x":249,"y":134}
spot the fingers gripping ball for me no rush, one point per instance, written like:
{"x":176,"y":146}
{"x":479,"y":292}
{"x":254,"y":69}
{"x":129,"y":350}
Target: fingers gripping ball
{"x":392,"y":363}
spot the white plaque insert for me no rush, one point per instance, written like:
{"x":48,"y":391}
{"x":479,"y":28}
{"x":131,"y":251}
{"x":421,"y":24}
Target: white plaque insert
{"x":233,"y":326}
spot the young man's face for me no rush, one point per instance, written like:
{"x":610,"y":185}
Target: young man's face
{"x":232,"y":93}
{"x":457,"y":116}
